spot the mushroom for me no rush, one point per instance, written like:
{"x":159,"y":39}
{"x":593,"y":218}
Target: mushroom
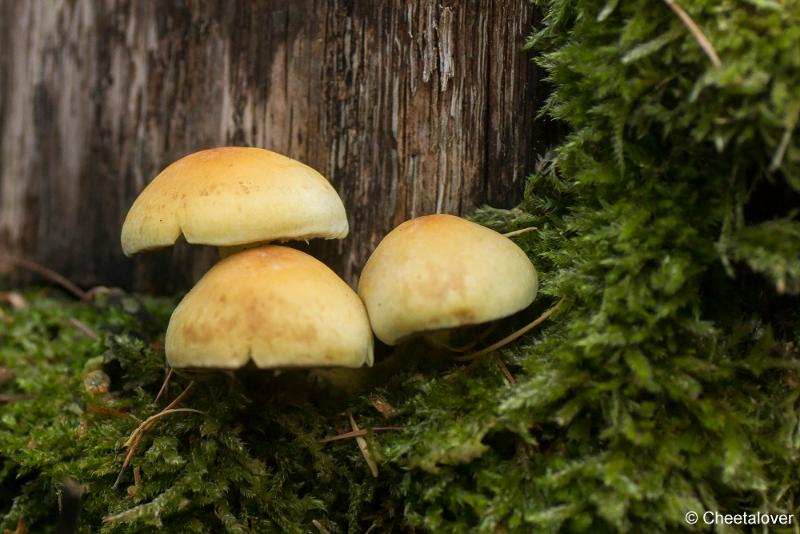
{"x":441,"y":272}
{"x":233,"y":196}
{"x":272,"y":305}
{"x":263,"y":305}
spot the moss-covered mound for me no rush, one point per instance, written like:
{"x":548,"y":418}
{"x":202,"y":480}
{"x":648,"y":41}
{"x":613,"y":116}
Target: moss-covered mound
{"x":666,"y":383}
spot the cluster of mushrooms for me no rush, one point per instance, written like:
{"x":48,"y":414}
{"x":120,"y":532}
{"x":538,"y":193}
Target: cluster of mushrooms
{"x":280,"y":308}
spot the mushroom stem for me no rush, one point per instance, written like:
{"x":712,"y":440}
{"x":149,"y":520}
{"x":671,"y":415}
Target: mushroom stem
{"x":511,"y":337}
{"x":361,"y":379}
{"x":349,"y":380}
{"x":439,"y":338}
{"x":466,"y":346}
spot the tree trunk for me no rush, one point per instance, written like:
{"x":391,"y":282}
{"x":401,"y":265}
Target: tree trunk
{"x":408,"y":108}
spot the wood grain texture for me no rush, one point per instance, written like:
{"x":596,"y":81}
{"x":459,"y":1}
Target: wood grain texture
{"x":409,"y":108}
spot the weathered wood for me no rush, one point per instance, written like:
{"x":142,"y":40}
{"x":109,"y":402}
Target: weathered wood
{"x":408,"y":107}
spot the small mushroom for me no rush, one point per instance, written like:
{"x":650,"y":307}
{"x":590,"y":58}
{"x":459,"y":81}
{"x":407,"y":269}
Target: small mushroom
{"x":272,"y":305}
{"x":96,"y":382}
{"x":233,"y":196}
{"x":440,"y":272}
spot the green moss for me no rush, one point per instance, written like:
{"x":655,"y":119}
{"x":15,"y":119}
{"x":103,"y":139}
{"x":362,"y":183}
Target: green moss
{"x":667,"y":382}
{"x":246,"y":463}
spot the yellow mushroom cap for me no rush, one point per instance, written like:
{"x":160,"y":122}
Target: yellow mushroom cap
{"x":232,"y":196}
{"x":275,"y":305}
{"x":442,"y":271}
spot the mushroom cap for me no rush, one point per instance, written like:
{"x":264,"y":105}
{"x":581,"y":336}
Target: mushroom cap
{"x":233,"y":196}
{"x":275,"y":305}
{"x":442,"y":271}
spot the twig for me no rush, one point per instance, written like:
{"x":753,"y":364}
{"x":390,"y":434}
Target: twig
{"x":346,"y":435}
{"x":50,"y":275}
{"x":361,"y":432}
{"x":98,"y":290}
{"x":180,"y":397}
{"x":503,"y":369}
{"x":320,"y":527}
{"x":362,"y":444}
{"x":136,"y":436}
{"x":16,"y":300}
{"x":150,"y":422}
{"x":511,"y":337}
{"x":520,"y":231}
{"x":777,"y":158}
{"x":83,"y":328}
{"x":14,"y":398}
{"x":165,"y":385}
{"x":696,"y":32}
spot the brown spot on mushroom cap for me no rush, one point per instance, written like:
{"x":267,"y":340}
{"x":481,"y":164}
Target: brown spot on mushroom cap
{"x":196,"y":335}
